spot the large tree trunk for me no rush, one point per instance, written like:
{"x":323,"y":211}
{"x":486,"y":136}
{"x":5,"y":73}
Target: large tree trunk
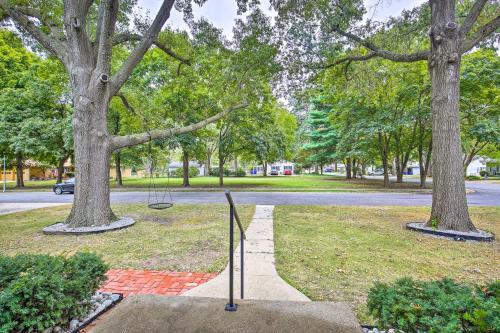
{"x":264,"y":169}
{"x":60,"y":169}
{"x":185,"y":168}
{"x":92,"y":145}
{"x":354,"y":166}
{"x":449,"y":202}
{"x":118,"y":169}
{"x":19,"y":170}
{"x":348,"y":174}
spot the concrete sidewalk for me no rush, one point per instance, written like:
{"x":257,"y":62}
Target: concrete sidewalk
{"x":7,"y":208}
{"x":161,"y":314}
{"x":262,"y":281}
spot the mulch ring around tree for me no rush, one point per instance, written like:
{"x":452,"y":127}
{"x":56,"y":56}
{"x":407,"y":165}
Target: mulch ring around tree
{"x":64,"y":229}
{"x":479,"y":236}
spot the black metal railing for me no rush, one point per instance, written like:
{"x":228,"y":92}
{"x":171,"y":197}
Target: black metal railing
{"x":233,"y":214}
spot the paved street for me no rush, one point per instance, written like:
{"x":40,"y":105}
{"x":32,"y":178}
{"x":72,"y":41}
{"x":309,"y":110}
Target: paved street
{"x":485,"y":194}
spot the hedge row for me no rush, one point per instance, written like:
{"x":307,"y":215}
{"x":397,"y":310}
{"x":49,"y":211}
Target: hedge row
{"x":442,"y":306}
{"x":41,"y":291}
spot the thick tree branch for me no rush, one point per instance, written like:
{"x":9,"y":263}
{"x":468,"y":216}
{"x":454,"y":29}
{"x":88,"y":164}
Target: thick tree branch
{"x":129,"y":37}
{"x":350,"y":59}
{"x":376,"y":52}
{"x":472,"y":17}
{"x":481,"y":34}
{"x":108,"y":11}
{"x":147,"y":40}
{"x":119,"y":142}
{"x":52,"y":45}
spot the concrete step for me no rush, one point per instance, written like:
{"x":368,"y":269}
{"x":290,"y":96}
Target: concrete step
{"x":162,"y":314}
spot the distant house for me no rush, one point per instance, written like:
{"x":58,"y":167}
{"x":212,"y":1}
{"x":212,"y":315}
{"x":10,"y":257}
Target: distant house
{"x":176,"y":165}
{"x":493,"y":167}
{"x":34,"y":170}
{"x":413,"y":169}
{"x":279,"y":167}
{"x":476,"y":166}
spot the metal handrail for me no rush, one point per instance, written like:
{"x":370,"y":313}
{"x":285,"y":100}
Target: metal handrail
{"x":233,"y":214}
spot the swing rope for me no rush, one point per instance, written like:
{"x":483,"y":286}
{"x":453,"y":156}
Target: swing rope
{"x":153,"y":189}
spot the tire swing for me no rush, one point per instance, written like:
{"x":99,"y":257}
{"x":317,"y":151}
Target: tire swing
{"x":158,"y":198}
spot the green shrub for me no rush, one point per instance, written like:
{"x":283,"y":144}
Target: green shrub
{"x":483,"y":173}
{"x":41,"y":291}
{"x":193,"y":172}
{"x":473,"y":177}
{"x":438,"y":306}
{"x":239,"y":173}
{"x":215,"y":172}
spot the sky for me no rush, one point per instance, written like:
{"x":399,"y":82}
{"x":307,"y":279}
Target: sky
{"x":222,"y":13}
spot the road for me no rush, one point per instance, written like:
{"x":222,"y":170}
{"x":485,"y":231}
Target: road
{"x":485,"y":194}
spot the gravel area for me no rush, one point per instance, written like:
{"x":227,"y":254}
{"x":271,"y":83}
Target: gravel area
{"x":101,"y":302}
{"x":375,"y":330}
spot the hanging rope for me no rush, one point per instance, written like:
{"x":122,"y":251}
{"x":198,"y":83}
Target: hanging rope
{"x":154,"y":202}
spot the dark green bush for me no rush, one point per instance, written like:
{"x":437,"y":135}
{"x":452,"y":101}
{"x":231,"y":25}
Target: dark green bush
{"x":193,"y":172}
{"x":215,"y":172}
{"x":239,"y":173}
{"x":41,"y":291}
{"x":441,"y":306}
{"x":483,"y":173}
{"x":473,"y":177}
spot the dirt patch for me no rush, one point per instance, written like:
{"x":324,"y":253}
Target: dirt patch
{"x":201,"y":254}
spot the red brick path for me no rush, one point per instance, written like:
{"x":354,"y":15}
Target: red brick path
{"x":134,"y":282}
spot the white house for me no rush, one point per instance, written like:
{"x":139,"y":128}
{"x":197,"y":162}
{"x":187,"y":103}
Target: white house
{"x":279,"y":167}
{"x":476,"y":166}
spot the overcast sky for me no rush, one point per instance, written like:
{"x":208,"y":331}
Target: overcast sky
{"x":223,"y":12}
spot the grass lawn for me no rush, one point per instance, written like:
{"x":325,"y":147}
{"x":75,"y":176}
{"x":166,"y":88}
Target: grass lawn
{"x":250,"y":183}
{"x":183,"y":238}
{"x":337,"y":253}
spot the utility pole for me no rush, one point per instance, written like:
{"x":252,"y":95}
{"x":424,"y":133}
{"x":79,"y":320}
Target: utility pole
{"x":4,"y":172}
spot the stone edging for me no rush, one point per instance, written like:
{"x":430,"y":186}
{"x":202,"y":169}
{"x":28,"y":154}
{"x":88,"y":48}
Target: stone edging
{"x":480,"y":236}
{"x":62,"y":229}
{"x":105,"y":307}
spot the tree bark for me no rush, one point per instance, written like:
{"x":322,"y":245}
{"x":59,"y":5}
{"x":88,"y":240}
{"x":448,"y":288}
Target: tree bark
{"x":91,"y":206}
{"x":60,"y":170}
{"x":185,"y":169}
{"x":348,"y":174}
{"x":354,"y":166}
{"x":221,"y":170}
{"x":207,"y":166}
{"x":118,"y":169}
{"x":383,"y":144}
{"x":264,"y":169}
{"x":19,"y":170}
{"x":397,"y":159}
{"x":449,"y":202}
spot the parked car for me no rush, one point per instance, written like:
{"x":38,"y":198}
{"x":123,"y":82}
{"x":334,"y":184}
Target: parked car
{"x":274,"y":173}
{"x":67,"y":186}
{"x":376,"y":173}
{"x":287,"y":172}
{"x":328,"y":170}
